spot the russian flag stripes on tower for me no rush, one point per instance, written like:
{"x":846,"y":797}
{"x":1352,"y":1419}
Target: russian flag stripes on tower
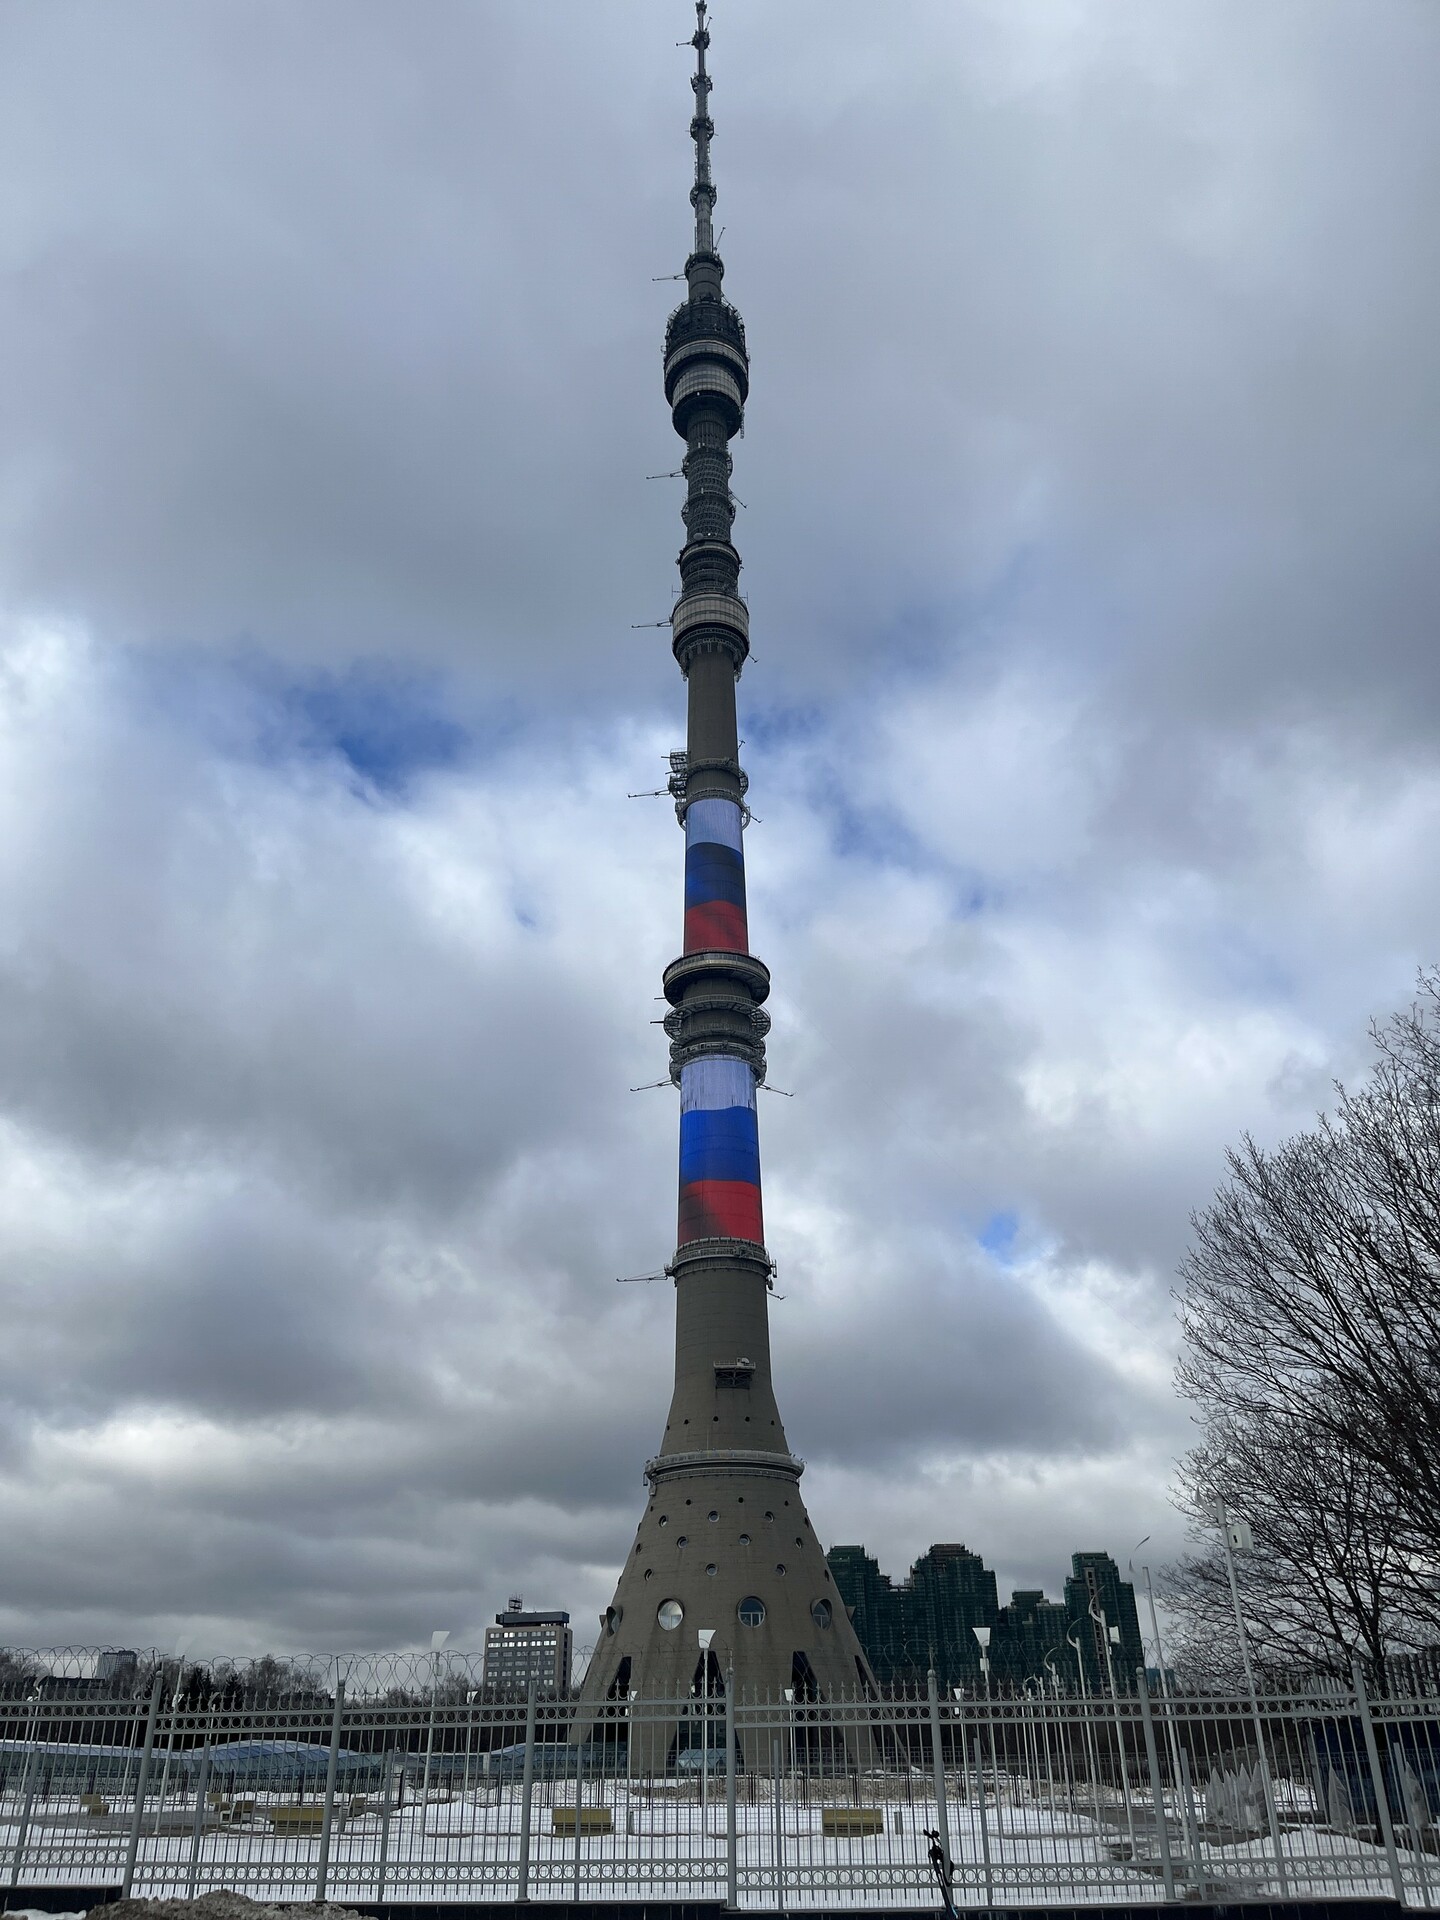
{"x":714,"y":878}
{"x":719,"y":1150}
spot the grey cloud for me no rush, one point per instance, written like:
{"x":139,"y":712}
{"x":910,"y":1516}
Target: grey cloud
{"x":1090,"y":477}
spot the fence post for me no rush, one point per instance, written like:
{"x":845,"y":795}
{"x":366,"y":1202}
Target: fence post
{"x":732,"y":1876}
{"x":985,"y":1823}
{"x":387,"y":1777}
{"x":522,"y":1891}
{"x":1192,"y":1821}
{"x":1382,"y":1792}
{"x":197,"y":1826}
{"x":142,"y":1781}
{"x":23,"y":1835}
{"x":1157,"y":1791}
{"x":937,"y":1756}
{"x":779,"y":1836}
{"x":578,"y":1798}
{"x":322,"y":1866}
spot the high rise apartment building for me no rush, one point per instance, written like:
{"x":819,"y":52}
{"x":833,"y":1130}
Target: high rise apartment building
{"x":929,"y":1620}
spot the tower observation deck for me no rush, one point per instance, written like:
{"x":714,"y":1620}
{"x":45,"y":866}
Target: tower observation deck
{"x":725,"y":1543}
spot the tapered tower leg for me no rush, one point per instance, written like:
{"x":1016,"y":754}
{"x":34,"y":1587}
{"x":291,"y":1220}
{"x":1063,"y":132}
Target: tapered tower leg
{"x":725,"y":1542}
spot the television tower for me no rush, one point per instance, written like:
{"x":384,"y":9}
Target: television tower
{"x":725,"y":1544}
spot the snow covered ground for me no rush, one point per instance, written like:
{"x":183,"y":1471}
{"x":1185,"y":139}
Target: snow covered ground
{"x":1026,"y":1849}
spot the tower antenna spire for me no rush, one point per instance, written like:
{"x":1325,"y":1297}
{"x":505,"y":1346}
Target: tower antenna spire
{"x":702,"y":131}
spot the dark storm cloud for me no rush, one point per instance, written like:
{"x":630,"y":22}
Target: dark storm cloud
{"x":1091,"y":483}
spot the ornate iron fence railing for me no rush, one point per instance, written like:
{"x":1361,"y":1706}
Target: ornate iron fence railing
{"x":399,"y":1778}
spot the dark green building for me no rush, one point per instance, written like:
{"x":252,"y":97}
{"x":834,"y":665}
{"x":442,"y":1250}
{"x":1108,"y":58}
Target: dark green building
{"x":1102,"y":1613}
{"x":925,"y":1621}
{"x":929,"y":1619}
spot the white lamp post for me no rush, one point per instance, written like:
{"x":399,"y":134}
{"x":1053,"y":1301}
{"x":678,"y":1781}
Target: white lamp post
{"x":982,"y":1634}
{"x":704,"y":1636}
{"x":1236,"y":1537}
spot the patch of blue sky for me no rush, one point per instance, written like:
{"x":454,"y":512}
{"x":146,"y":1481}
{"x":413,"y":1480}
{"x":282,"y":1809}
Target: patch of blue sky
{"x":998,"y":1236}
{"x":771,"y":728}
{"x":386,"y":725}
{"x":879,"y":836}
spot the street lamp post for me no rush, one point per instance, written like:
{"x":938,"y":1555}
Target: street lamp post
{"x":182,"y":1647}
{"x":1109,"y":1639}
{"x":1173,"y":1737}
{"x":1092,"y":1747}
{"x":982,"y":1634}
{"x":1235,"y":1535}
{"x":705,"y":1636}
{"x":1061,"y":1735}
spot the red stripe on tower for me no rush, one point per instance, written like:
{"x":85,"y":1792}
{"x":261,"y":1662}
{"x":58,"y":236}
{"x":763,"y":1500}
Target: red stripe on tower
{"x":720,"y":1210}
{"x":717,"y":925}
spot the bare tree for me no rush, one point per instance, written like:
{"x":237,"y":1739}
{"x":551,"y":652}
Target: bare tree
{"x":1311,"y":1317}
{"x":1327,"y":1578}
{"x":19,"y":1673}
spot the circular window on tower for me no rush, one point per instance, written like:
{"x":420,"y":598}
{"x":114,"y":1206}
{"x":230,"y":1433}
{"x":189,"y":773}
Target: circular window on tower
{"x":744,"y":1539}
{"x":711,"y":1568}
{"x":670,"y":1613}
{"x":649,"y":1573}
{"x":751,"y":1611}
{"x":713,"y":1514}
{"x":821,"y":1613}
{"x":780,"y":1569}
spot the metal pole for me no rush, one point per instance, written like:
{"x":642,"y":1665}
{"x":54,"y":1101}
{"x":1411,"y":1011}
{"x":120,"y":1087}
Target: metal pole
{"x":142,"y":1780}
{"x":522,"y":1891}
{"x":1270,"y":1814}
{"x":1090,"y":1743}
{"x":731,"y":1860}
{"x":1157,"y":1791}
{"x":779,"y":1842}
{"x":1121,"y":1753}
{"x":197,"y":1828}
{"x":23,"y":1835}
{"x":170,"y":1744}
{"x":1192,"y":1819}
{"x":704,"y":1749}
{"x":984,"y":1827}
{"x":937,"y":1757}
{"x":322,"y":1867}
{"x":576,"y":1882}
{"x":1382,"y":1796}
{"x":429,"y":1751}
{"x":385,"y":1778}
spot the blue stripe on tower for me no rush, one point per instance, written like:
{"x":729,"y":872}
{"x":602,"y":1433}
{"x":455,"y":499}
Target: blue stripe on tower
{"x":719,"y":1146}
{"x":719,"y":1150}
{"x":713,"y":873}
{"x":714,"y":877}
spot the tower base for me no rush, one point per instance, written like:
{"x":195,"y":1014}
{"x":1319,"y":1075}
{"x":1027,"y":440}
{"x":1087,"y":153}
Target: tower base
{"x":725,"y":1547}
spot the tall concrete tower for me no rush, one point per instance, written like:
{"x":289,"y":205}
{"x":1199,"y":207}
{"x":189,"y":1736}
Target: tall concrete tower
{"x":725,"y":1543}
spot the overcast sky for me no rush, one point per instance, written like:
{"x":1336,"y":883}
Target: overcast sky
{"x":1091,"y":484}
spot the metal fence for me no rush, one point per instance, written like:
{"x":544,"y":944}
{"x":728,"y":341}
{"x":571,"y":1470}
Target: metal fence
{"x":400,"y":1780}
